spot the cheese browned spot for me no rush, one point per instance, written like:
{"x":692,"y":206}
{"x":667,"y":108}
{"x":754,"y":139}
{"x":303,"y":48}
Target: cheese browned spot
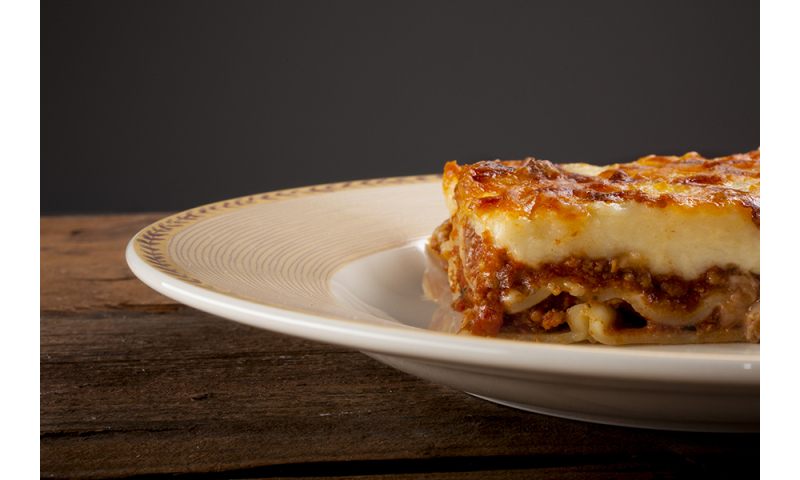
{"x":661,"y":250}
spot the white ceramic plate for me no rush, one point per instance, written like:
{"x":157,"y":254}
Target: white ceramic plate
{"x":343,"y":264}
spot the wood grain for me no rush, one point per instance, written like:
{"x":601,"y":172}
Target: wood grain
{"x":134,"y":385}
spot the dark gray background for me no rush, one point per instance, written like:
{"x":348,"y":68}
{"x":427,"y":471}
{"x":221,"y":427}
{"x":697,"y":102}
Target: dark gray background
{"x":157,"y":106}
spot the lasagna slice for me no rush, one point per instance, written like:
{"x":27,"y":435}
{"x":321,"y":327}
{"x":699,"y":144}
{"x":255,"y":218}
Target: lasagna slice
{"x":663,"y":250}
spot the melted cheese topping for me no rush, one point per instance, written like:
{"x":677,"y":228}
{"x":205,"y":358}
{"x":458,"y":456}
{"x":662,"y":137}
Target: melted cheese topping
{"x":675,"y":215}
{"x":668,"y":240}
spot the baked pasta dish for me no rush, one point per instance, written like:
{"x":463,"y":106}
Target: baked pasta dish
{"x":663,"y":250}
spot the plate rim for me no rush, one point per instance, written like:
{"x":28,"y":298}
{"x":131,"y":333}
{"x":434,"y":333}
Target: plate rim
{"x":150,"y":243}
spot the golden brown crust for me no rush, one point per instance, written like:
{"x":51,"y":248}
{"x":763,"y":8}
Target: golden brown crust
{"x":530,"y":185}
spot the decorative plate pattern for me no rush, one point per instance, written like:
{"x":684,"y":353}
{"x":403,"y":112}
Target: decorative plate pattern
{"x":201,"y":248}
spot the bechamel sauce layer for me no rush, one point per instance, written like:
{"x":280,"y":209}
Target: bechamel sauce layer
{"x":673,"y":240}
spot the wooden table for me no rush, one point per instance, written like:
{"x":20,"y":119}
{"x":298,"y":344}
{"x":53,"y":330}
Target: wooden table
{"x":135,"y":385}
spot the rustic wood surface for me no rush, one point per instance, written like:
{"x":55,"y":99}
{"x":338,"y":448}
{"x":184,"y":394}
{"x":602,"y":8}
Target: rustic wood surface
{"x":135,"y":385}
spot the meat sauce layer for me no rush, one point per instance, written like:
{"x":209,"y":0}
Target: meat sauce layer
{"x":491,"y":272}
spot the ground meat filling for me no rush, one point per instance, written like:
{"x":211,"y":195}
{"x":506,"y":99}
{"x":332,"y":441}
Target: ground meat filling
{"x":548,"y":315}
{"x":491,"y":272}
